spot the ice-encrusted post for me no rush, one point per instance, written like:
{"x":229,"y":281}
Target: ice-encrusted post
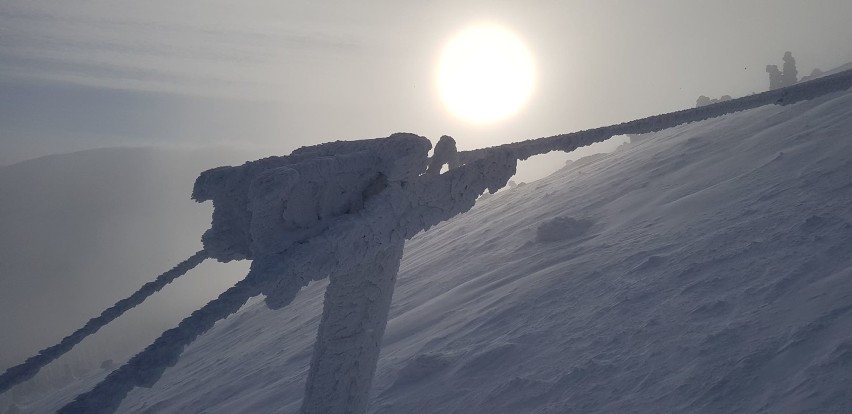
{"x":350,"y":335}
{"x":341,"y":210}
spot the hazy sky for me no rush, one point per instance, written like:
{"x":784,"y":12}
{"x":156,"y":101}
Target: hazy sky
{"x":84,"y":74}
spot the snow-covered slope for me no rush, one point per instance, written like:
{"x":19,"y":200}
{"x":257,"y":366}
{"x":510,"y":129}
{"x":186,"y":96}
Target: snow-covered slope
{"x":706,"y":268}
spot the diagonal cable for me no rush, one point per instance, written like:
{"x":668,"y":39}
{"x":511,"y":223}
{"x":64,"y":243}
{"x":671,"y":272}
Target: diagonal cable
{"x":20,"y":373}
{"x":146,"y":367}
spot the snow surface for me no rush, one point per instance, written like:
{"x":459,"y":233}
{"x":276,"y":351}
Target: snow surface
{"x":714,"y":276}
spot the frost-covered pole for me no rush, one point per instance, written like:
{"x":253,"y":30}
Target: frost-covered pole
{"x":350,"y":335}
{"x":20,"y":373}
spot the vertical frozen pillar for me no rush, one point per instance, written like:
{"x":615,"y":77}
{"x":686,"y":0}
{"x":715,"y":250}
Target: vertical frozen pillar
{"x":350,"y":335}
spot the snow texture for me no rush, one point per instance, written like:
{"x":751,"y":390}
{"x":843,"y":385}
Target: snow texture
{"x":345,"y":235}
{"x":562,"y":228}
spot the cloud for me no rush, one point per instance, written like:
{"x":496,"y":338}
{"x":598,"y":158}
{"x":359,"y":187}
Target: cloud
{"x":158,"y":46}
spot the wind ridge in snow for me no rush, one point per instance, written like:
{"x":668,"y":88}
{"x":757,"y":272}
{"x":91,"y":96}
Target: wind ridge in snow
{"x":20,"y":373}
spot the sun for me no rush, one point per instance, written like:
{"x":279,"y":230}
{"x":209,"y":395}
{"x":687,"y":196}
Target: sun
{"x":485,"y":74}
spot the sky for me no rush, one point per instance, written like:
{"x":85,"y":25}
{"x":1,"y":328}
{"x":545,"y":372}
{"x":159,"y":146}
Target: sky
{"x":278,"y":75}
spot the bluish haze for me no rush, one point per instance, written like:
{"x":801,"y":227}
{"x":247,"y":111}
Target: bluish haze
{"x":78,"y":75}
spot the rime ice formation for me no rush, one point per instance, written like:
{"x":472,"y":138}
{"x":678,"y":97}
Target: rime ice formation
{"x":353,"y":230}
{"x":361,"y":257}
{"x":445,"y":154}
{"x":404,"y":205}
{"x":298,"y":198}
{"x":350,"y":335}
{"x":264,"y":206}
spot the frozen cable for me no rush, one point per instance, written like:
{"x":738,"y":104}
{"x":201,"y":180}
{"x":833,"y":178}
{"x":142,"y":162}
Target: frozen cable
{"x":20,"y":373}
{"x":146,"y":367}
{"x":811,"y":89}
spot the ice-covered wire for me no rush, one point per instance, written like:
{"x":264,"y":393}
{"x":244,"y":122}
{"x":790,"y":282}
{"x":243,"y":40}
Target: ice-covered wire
{"x":146,"y":367}
{"x":20,"y":373}
{"x":811,"y":89}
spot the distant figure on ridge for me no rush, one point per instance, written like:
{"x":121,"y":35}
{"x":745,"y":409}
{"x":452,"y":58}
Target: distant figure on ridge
{"x":789,"y":76}
{"x":774,"y":77}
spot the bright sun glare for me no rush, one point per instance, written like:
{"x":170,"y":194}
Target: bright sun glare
{"x":485,"y":74}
